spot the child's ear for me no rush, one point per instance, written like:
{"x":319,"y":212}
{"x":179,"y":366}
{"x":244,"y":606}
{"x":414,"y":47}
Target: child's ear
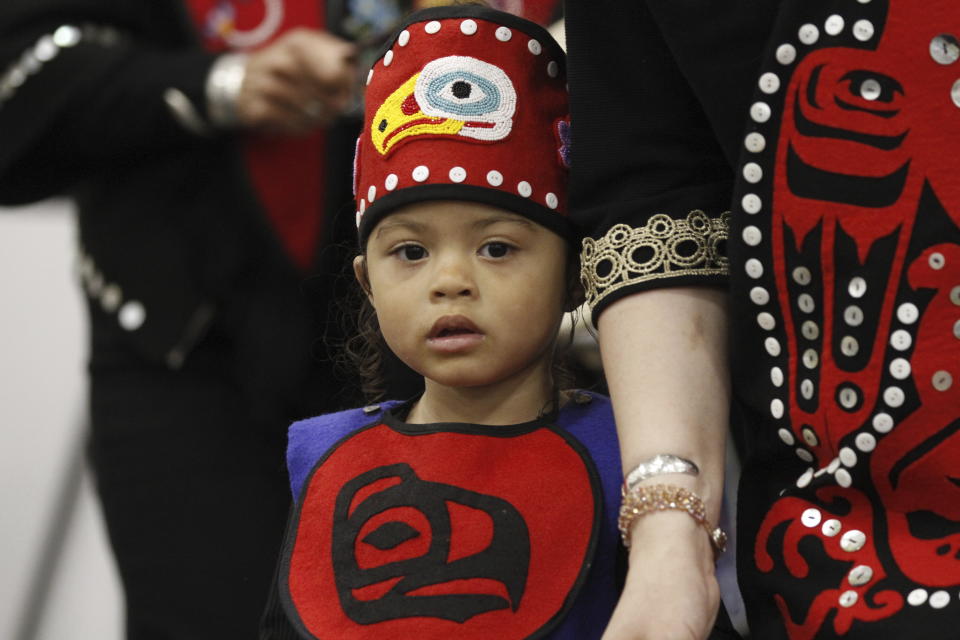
{"x":360,"y":273}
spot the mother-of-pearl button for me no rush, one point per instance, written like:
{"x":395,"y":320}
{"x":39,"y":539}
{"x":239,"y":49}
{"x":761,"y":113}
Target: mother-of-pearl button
{"x":901,"y":340}
{"x":843,"y":478}
{"x":391,"y":182}
{"x":834,"y":25}
{"x":939,"y":599}
{"x":866,"y":442}
{"x":751,"y":203}
{"x":810,"y":330}
{"x":806,"y":303}
{"x":760,"y":111}
{"x":752,"y":235}
{"x":848,"y":598}
{"x":810,"y":359}
{"x":860,"y":575}
{"x":942,"y":380}
{"x":503,"y":34}
{"x":811,"y":517}
{"x":857,"y":287}
{"x":847,"y":457}
{"x":755,"y":142}
{"x":804,"y":455}
{"x":944,"y":49}
{"x":458,"y":174}
{"x":810,"y":437}
{"x":552,"y":201}
{"x":535,"y":47}
{"x":759,"y":296}
{"x":468,"y":27}
{"x":831,"y":527}
{"x":893,"y":396}
{"x":853,"y":540}
{"x":769,"y":82}
{"x":917,"y":597}
{"x":808,"y":34}
{"x":908,"y":313}
{"x":772,"y":346}
{"x":806,"y":389}
{"x":863,"y":30}
{"x":524,"y":188}
{"x":833,"y":466}
{"x":786,"y":54}
{"x":870,"y":89}
{"x":776,"y":408}
{"x":955,"y":295}
{"x":432,"y":27}
{"x":849,"y":346}
{"x":766,"y":321}
{"x":495,"y":178}
{"x":754,"y":268}
{"x":853,"y":315}
{"x":776,"y":376}
{"x":883,"y":422}
{"x":801,"y":275}
{"x":786,"y":436}
{"x":403,"y":38}
{"x":900,"y":368}
{"x":937,"y":261}
{"x":752,"y":172}
{"x":805,"y":479}
{"x":132,"y":315}
{"x":420,"y":173}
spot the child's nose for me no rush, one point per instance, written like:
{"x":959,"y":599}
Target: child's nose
{"x":453,"y":279}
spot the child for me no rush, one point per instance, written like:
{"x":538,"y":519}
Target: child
{"x":485,"y":508}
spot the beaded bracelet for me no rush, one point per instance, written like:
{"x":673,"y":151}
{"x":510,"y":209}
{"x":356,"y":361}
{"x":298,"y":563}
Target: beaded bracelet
{"x":640,"y":501}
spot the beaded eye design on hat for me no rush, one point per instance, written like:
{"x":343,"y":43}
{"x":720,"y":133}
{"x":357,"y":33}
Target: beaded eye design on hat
{"x":466,"y":103}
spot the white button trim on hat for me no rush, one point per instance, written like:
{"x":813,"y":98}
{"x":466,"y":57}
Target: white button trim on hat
{"x":432,"y":27}
{"x":391,"y":182}
{"x":870,"y":89}
{"x":857,"y":287}
{"x":458,"y":174}
{"x":504,"y":34}
{"x":806,"y":388}
{"x":524,"y":189}
{"x":404,"y":38}
{"x":420,"y":173}
{"x":494,"y":178}
{"x":363,"y":205}
{"x":369,"y":77}
{"x":468,"y":27}
{"x":132,"y":315}
{"x":371,"y":193}
{"x":853,"y":315}
{"x":553,"y":69}
{"x":388,"y":58}
{"x":552,"y":200}
{"x":535,"y":47}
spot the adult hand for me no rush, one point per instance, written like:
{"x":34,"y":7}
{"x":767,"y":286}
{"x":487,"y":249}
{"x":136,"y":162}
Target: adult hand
{"x":671,"y":592}
{"x":301,"y":81}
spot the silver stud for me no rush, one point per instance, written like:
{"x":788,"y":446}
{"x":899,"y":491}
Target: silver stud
{"x":759,"y":296}
{"x":848,"y":397}
{"x":834,"y":25}
{"x":810,"y":330}
{"x":860,"y":575}
{"x":811,"y":517}
{"x":810,"y":437}
{"x":801,"y":275}
{"x":944,"y":49}
{"x":849,"y":346}
{"x":866,"y":442}
{"x":786,"y":54}
{"x":917,"y":597}
{"x":766,"y":321}
{"x":806,"y":389}
{"x":752,"y":172}
{"x":853,"y":540}
{"x":772,"y":346}
{"x":810,"y":359}
{"x":776,"y":377}
{"x":132,"y":315}
{"x":942,"y":380}
{"x":804,"y":455}
{"x":853,"y":315}
{"x":857,"y":287}
{"x":900,"y":368}
{"x":937,"y":261}
{"x":901,"y":340}
{"x":755,"y":142}
{"x":894,"y":396}
{"x":883,"y":422}
{"x":806,"y":303}
{"x":786,"y":437}
{"x":754,"y":268}
{"x":870,"y":89}
{"x":776,"y":408}
{"x":863,"y":30}
{"x":939,"y":599}
{"x":831,"y":527}
{"x":751,"y":203}
{"x":848,"y":598}
{"x":769,"y":82}
{"x":752,"y":235}
{"x":808,"y":33}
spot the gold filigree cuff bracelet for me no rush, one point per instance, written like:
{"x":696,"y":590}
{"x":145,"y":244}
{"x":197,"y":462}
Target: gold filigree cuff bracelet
{"x":640,"y":501}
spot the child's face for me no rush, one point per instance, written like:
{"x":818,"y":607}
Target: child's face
{"x":466,"y":294}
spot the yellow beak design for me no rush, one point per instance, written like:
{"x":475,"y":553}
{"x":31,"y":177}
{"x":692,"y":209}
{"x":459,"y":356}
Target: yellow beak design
{"x":400,"y":117}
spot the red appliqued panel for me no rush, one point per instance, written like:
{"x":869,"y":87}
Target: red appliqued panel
{"x":441,"y":535}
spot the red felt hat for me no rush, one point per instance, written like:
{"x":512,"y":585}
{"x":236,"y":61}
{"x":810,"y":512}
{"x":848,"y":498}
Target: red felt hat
{"x":466,"y":103}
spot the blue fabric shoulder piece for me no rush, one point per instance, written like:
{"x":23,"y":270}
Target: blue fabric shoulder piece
{"x":308,"y":440}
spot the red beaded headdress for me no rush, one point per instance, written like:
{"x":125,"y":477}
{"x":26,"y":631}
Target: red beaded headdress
{"x":466,"y":103}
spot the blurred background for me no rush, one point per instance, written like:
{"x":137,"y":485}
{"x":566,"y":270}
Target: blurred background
{"x":57,"y":579}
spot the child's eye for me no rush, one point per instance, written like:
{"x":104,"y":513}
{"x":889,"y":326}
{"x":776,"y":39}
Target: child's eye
{"x":495,"y":250}
{"x":411,"y":252}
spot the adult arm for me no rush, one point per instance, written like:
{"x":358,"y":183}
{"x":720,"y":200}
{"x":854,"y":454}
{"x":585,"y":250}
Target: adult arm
{"x":650,"y":184}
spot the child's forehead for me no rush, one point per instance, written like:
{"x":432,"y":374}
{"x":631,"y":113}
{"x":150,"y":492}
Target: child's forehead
{"x":448,"y":214}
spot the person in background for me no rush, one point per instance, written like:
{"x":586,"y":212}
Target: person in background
{"x":791,"y":152}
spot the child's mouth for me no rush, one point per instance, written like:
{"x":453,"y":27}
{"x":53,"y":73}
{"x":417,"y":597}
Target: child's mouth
{"x":454,"y":334}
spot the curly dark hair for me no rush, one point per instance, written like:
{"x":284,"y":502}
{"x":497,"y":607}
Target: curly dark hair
{"x":364,"y":349}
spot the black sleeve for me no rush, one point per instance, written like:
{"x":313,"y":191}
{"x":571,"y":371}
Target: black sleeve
{"x":649,"y":181}
{"x":82,"y":86}
{"x":274,"y":624}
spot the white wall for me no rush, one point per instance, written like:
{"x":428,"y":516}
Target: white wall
{"x":42,"y":411}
